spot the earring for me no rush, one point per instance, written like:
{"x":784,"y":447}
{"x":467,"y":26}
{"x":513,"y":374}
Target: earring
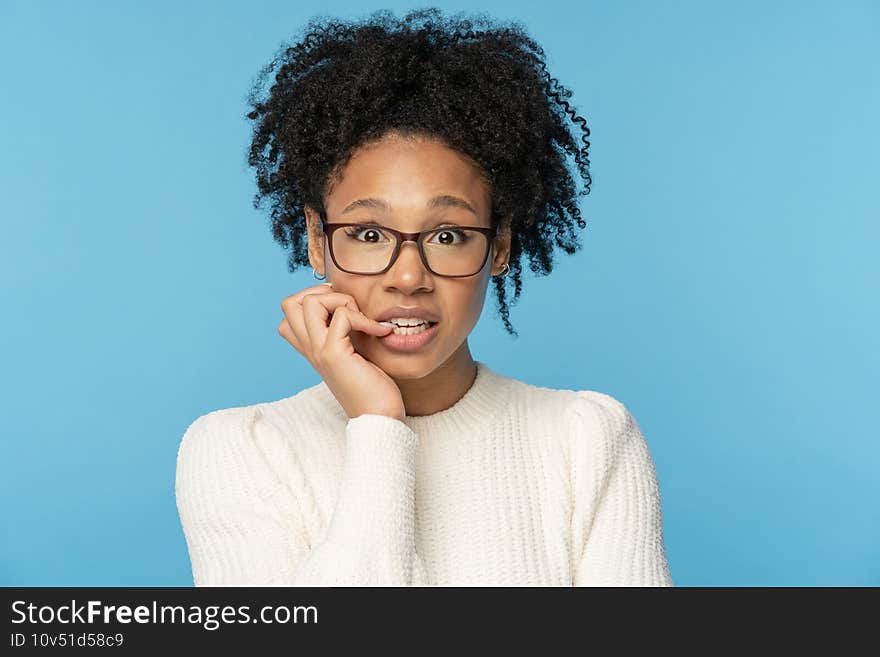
{"x":506,"y":270}
{"x":315,"y":274}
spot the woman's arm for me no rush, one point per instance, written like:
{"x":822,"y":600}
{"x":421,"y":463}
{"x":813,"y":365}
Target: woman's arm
{"x":371,"y":536}
{"x":618,"y":526}
{"x":242,"y":527}
{"x":243,"y":523}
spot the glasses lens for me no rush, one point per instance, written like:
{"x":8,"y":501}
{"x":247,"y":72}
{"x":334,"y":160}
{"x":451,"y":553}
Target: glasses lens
{"x":449,"y":251}
{"x":363,"y":249}
{"x":455,"y":251}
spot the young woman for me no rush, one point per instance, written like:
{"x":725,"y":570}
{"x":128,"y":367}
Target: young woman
{"x":410,"y":162}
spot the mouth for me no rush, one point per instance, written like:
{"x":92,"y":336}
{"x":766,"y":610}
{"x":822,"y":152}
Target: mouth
{"x":409,"y":338}
{"x":400,"y":329}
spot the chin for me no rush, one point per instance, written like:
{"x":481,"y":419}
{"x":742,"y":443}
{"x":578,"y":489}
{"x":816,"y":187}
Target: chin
{"x":399,"y":365}
{"x":405,"y":366}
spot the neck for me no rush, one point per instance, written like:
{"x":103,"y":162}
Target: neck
{"x":441,"y":388}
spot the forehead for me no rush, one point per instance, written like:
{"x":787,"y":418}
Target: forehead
{"x":407,"y":172}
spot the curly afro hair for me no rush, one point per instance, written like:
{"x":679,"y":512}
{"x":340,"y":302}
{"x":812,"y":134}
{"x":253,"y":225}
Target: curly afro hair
{"x":478,"y":87}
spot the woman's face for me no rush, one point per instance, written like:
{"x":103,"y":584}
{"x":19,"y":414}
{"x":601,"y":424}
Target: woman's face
{"x":406,"y":173}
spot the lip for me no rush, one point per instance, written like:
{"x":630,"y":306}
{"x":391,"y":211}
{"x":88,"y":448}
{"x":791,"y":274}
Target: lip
{"x":402,"y":311}
{"x":409,"y":343}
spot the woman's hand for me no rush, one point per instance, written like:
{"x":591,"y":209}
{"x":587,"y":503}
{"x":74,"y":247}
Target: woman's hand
{"x":359,"y":385}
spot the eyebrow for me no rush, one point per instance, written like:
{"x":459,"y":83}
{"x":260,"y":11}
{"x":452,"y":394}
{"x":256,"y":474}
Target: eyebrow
{"x":443,"y":200}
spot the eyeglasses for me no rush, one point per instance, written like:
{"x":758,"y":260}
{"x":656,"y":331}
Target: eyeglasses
{"x":370,"y":248}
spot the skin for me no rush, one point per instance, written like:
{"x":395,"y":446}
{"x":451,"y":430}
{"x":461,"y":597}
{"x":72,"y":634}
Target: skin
{"x":364,"y":375}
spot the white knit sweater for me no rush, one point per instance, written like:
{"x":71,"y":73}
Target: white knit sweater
{"x":513,"y":485}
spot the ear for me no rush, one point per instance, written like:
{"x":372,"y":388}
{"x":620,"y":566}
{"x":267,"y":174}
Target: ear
{"x":502,"y":247}
{"x":316,"y":239}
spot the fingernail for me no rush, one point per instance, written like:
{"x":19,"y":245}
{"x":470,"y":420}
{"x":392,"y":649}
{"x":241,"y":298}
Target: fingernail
{"x":389,"y":324}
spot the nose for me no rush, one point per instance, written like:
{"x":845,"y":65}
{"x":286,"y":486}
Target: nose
{"x":408,"y":272}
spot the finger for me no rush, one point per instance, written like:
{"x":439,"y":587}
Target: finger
{"x":359,"y":321}
{"x":312,"y":289}
{"x":322,"y":307}
{"x":286,"y":332}
{"x":354,"y":320}
{"x":292,"y":328}
{"x":293,"y":312}
{"x":294,"y":341}
{"x":339,"y":331}
{"x":314,"y":319}
{"x":317,"y":311}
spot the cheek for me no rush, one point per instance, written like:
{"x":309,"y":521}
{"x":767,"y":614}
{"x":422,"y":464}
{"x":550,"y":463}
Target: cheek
{"x":464,"y":305}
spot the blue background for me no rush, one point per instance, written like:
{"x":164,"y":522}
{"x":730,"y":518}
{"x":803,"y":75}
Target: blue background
{"x":726,"y":291}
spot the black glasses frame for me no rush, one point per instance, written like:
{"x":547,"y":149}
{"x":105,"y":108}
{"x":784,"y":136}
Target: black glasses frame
{"x":406,"y":237}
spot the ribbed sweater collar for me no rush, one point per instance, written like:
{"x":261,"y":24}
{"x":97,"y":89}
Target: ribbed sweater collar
{"x":478,"y":408}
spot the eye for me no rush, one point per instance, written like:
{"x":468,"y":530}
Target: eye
{"x":450,"y":236}
{"x":373,"y":234}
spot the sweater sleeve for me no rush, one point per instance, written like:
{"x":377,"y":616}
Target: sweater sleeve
{"x":244,"y":525}
{"x":617,"y":525}
{"x":370,"y":540}
{"x":241,"y":524}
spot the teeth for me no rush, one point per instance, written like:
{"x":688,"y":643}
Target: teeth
{"x":407,"y":321}
{"x":409,"y":330}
